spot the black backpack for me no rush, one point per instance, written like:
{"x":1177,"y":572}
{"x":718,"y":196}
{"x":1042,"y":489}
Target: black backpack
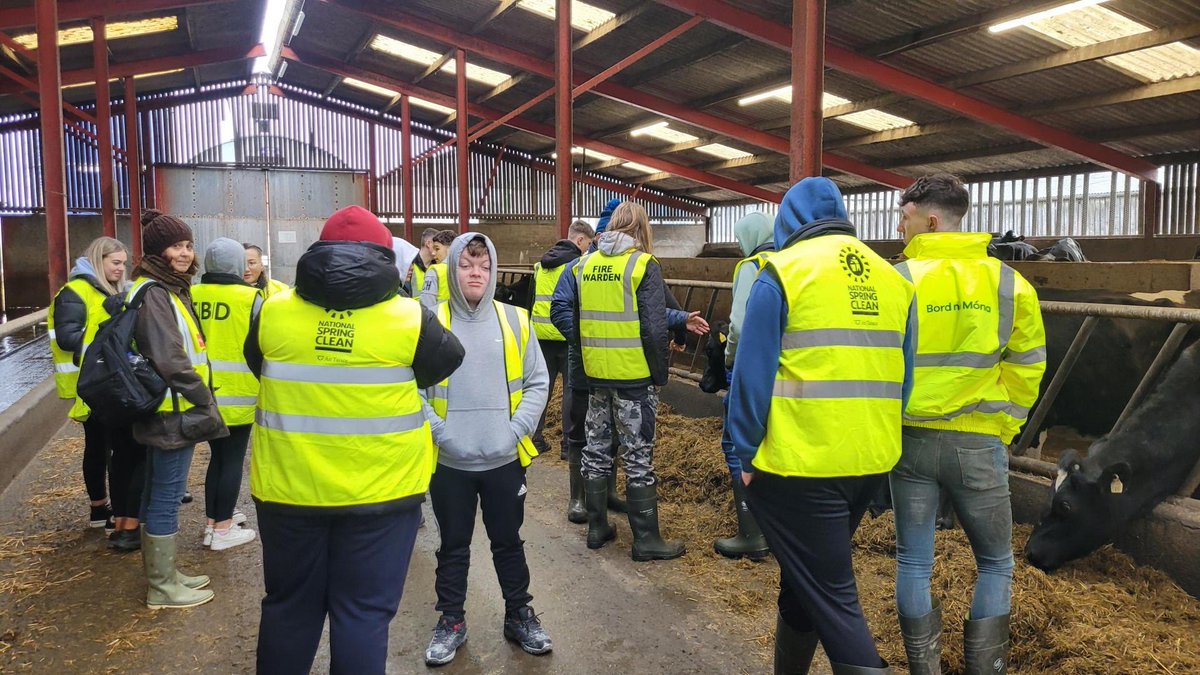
{"x":115,"y":381}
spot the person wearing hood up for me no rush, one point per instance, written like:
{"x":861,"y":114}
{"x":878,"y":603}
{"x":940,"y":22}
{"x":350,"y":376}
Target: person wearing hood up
{"x":255,"y":273}
{"x":342,"y":452}
{"x":755,"y":235}
{"x":819,"y":387}
{"x":74,"y":317}
{"x":224,"y":303}
{"x":406,"y":255}
{"x":436,"y":287}
{"x":546,"y":273}
{"x":481,"y":418}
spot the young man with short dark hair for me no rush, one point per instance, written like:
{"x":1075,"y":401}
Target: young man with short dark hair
{"x":422,"y":261}
{"x":436,"y":288}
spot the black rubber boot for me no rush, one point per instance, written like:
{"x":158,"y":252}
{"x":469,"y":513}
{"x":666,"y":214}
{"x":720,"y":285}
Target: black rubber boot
{"x":985,"y":645}
{"x":923,"y":641}
{"x":793,"y":650}
{"x":843,"y":669}
{"x":615,"y":503}
{"x":648,"y":544}
{"x":576,"y":513}
{"x":595,"y":496}
{"x":749,"y":541}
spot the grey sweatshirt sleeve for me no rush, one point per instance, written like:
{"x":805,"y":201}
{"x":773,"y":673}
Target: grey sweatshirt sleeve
{"x":437,"y":425}
{"x":430,"y":291}
{"x":535,"y":390}
{"x":737,"y":309}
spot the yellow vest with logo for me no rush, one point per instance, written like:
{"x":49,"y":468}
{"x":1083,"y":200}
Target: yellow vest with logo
{"x":193,"y":344}
{"x":438,"y":271}
{"x":224,"y":311}
{"x":610,"y":334}
{"x":836,"y":404}
{"x":544,"y":282}
{"x":967,"y":305}
{"x":339,"y":420}
{"x":66,"y":370}
{"x":514,"y":328}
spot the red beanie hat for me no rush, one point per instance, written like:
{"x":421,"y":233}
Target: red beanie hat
{"x":354,"y":223}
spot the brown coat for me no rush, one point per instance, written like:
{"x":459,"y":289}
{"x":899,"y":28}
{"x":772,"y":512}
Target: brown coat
{"x":159,"y":341}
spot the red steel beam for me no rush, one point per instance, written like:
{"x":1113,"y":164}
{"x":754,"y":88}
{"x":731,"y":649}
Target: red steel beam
{"x":108,"y":207}
{"x":54,"y":176}
{"x":637,"y":56}
{"x":808,"y":86}
{"x":463,"y":158}
{"x":133,"y":165}
{"x":641,"y":99}
{"x":406,"y":165}
{"x":563,"y":97}
{"x":74,"y":10}
{"x":893,"y":79}
{"x":17,"y":47}
{"x":348,"y":70}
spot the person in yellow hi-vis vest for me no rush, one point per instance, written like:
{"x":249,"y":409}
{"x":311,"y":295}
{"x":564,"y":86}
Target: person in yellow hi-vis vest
{"x":168,"y":335}
{"x":436,"y":285}
{"x":224,"y":303}
{"x":481,"y":418}
{"x":256,"y":275}
{"x":818,"y":390}
{"x":981,"y":354}
{"x":342,"y":452}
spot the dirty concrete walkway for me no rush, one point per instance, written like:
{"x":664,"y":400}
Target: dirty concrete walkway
{"x":68,"y":605}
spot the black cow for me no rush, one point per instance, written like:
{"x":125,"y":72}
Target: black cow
{"x":714,"y":379}
{"x":1125,"y":474}
{"x":516,"y":293}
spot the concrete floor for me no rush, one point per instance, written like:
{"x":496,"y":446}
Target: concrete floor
{"x":68,"y":605}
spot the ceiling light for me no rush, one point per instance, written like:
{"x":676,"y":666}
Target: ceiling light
{"x":113,"y":31}
{"x":584,"y":17}
{"x":274,"y":18}
{"x":639,"y":167}
{"x":661,"y":131}
{"x":425,"y":57}
{"x":875,"y":120}
{"x":783,"y":93}
{"x":723,"y":151}
{"x":1044,"y":14}
{"x":430,"y":105}
{"x":373,"y":88}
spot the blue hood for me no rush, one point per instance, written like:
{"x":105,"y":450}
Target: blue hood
{"x":606,"y":214}
{"x":811,"y":207}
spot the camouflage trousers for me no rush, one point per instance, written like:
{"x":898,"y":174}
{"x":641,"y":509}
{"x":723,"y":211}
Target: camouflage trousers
{"x":628,"y":415}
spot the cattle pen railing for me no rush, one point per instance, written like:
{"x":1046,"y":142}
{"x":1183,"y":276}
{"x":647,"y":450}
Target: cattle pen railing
{"x":709,"y":296}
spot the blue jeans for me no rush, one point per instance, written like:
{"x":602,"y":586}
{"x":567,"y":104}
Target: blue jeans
{"x":166,"y":481}
{"x":973,"y":471}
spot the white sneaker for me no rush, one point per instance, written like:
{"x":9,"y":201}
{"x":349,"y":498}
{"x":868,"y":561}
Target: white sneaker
{"x":234,"y":536}
{"x":239,"y":518}
{"x":208,"y":530}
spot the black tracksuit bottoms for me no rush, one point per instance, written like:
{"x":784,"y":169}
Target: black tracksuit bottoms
{"x":809,"y":523}
{"x":223,"y":481}
{"x":500,"y":492}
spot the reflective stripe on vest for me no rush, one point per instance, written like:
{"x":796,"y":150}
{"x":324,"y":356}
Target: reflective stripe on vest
{"x":609,"y":329}
{"x":544,"y":283}
{"x":224,"y":311}
{"x":193,"y":344}
{"x":514,"y":329}
{"x":66,"y":371}
{"x":339,"y":420}
{"x":835,"y":405}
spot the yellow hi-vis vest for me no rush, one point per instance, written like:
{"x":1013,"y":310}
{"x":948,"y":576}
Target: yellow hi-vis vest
{"x":193,"y":344}
{"x":66,"y":369}
{"x":836,"y":405}
{"x":224,"y":311}
{"x":610,"y":335}
{"x":544,"y":282}
{"x":438,"y":271}
{"x":273,"y":286}
{"x":339,"y":420}
{"x":759,"y":260}
{"x":981,"y":345}
{"x":418,"y":279}
{"x":514,"y":328}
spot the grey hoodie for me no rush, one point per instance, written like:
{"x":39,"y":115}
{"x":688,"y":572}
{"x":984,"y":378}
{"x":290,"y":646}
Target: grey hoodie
{"x":478,"y":433}
{"x":225,"y":256}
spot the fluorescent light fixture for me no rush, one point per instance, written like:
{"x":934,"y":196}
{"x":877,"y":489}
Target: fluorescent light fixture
{"x":272,"y":28}
{"x":584,"y":17}
{"x":113,"y":31}
{"x":783,"y":93}
{"x":641,"y":168}
{"x":425,"y":57}
{"x":723,"y":151}
{"x":136,"y":77}
{"x":373,"y":88}
{"x":430,"y":105}
{"x":648,"y":128}
{"x":875,"y":120}
{"x":1044,"y":14}
{"x":592,"y":154}
{"x":661,"y":131}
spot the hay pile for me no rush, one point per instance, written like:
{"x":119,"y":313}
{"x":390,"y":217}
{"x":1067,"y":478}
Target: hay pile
{"x":1102,"y":615}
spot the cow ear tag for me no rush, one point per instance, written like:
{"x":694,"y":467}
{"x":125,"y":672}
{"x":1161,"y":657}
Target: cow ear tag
{"x":1116,"y":486}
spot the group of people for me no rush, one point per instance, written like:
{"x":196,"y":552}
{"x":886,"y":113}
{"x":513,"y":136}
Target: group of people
{"x":360,"y":399}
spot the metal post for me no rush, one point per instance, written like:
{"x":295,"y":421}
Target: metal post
{"x":808,"y":83}
{"x":133,"y":164}
{"x":372,"y":171}
{"x":1151,"y":205}
{"x":406,"y":168}
{"x":562,"y":116}
{"x":53,"y":171}
{"x":464,"y":152}
{"x":108,"y":207}
{"x":1165,"y":355}
{"x":1060,"y":378}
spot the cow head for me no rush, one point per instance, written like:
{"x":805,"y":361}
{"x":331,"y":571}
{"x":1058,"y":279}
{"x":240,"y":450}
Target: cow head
{"x":1088,"y":505}
{"x":713,"y":379}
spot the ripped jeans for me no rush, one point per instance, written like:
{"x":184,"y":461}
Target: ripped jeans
{"x":972,"y":469}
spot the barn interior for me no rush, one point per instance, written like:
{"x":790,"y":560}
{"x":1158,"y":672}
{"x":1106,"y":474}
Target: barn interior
{"x":256,"y":119}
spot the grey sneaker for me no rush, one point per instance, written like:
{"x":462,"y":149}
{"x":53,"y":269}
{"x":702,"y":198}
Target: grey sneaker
{"x":524,"y":628}
{"x":448,"y":635}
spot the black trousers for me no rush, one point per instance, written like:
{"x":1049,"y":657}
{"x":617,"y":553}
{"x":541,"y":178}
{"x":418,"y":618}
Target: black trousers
{"x":575,"y":406}
{"x":350,"y":568}
{"x":500,"y":493}
{"x":555,"y":353}
{"x":809,"y":523}
{"x":223,"y":482}
{"x":126,"y":472}
{"x":95,"y":457}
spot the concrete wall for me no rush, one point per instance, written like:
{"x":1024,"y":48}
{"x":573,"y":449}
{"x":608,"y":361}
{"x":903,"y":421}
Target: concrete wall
{"x":24,"y":253}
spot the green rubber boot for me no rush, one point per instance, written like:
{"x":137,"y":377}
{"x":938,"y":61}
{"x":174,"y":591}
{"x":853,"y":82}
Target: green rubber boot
{"x":595,"y":496}
{"x":793,"y":649}
{"x":615,"y":503}
{"x":165,"y":587}
{"x":576,"y":513}
{"x":648,"y":544}
{"x":985,"y":645}
{"x":923,"y":641}
{"x":749,"y":541}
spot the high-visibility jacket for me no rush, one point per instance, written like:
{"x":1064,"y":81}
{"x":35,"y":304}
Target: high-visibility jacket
{"x":66,"y":367}
{"x":981,"y":345}
{"x":758,"y":260}
{"x":339,"y":420}
{"x":544,"y":282}
{"x":193,"y":344}
{"x":610,"y":334}
{"x":836,"y":404}
{"x":274,"y":286}
{"x":418,"y":279}
{"x":514,"y":329}
{"x":438,"y":271}
{"x":224,"y":311}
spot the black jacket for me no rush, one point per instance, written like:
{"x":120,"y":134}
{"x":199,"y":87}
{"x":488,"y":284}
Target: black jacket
{"x":70,"y":318}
